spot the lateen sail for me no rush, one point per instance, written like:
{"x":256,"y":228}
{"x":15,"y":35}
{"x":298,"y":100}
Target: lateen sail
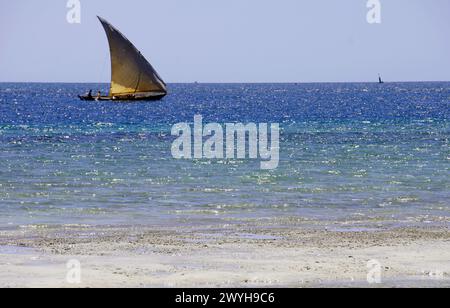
{"x":131,"y":73}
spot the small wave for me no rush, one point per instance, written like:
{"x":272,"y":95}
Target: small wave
{"x":212,"y":190}
{"x":197,"y":212}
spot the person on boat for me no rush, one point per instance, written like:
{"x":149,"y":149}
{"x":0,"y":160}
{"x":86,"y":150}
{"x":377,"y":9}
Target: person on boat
{"x":89,"y":95}
{"x":99,"y":94}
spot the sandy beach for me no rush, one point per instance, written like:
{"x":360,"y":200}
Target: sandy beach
{"x":230,"y":256}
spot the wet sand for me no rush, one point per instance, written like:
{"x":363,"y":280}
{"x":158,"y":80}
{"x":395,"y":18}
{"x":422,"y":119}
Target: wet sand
{"x":226,"y":256}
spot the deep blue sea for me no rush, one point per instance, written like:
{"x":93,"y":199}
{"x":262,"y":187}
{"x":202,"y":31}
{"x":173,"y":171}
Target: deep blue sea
{"x":349,"y":153}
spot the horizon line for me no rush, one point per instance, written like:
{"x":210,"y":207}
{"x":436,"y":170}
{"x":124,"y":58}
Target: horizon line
{"x":231,"y":82}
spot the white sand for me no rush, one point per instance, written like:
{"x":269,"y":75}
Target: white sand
{"x":240,"y":257}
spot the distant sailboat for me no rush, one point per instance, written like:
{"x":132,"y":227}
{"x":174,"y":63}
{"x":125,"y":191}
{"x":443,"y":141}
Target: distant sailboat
{"x":132,"y":76}
{"x":380,"y":80}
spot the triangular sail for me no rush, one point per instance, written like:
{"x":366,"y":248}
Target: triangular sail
{"x":131,"y":73}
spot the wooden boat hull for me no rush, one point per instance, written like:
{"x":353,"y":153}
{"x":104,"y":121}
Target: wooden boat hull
{"x":125,"y":98}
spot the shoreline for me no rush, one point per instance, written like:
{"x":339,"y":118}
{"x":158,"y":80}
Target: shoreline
{"x":243,"y":255}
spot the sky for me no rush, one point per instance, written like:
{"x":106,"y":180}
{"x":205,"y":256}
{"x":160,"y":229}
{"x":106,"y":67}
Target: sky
{"x":230,"y":40}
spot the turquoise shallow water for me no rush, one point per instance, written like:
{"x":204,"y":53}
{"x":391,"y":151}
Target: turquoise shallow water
{"x":349,"y":152}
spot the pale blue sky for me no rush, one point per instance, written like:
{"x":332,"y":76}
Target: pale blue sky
{"x":230,"y":40}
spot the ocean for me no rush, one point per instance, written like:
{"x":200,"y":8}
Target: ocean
{"x":351,"y":155}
